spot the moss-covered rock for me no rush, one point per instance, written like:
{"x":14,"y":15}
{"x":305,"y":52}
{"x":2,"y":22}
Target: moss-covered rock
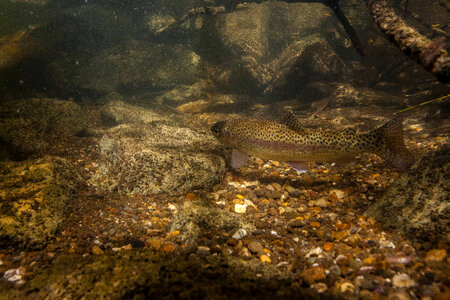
{"x":196,"y":219}
{"x":33,"y":196}
{"x":26,"y":125}
{"x":117,"y":111}
{"x":409,"y":207}
{"x":149,"y":158}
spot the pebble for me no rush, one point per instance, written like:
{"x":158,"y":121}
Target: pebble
{"x":265,"y":259}
{"x":313,"y":274}
{"x":296,"y":223}
{"x":346,"y":287}
{"x":203,"y":251}
{"x":314,"y":252}
{"x":328,"y":246}
{"x":255,"y":247}
{"x":434,"y":256}
{"x":240,"y":208}
{"x":168,"y":248}
{"x":239,"y":234}
{"x":97,"y":250}
{"x":336,"y":194}
{"x":322,"y":202}
{"x":320,"y":287}
{"x":402,"y":280}
{"x":245,"y":253}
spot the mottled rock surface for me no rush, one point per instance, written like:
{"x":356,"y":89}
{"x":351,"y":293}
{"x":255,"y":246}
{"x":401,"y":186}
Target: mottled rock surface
{"x":195,"y":220}
{"x":154,"y":158}
{"x":119,"y":112}
{"x":26,"y":125}
{"x":33,"y":196}
{"x":409,"y":207}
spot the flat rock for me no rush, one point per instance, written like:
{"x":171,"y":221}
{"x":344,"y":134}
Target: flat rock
{"x":153,"y":158}
{"x":33,"y":196}
{"x":26,"y":125}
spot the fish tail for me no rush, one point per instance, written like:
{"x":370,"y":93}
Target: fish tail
{"x":391,"y":146}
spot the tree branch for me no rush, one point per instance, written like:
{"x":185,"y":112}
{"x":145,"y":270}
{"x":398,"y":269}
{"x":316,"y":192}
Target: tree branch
{"x":431,"y":54}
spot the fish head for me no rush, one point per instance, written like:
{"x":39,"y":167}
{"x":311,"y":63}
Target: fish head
{"x":219,"y":130}
{"x":222,"y":131}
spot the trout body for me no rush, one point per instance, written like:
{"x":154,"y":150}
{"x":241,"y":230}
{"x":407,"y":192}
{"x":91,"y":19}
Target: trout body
{"x":287,"y":141}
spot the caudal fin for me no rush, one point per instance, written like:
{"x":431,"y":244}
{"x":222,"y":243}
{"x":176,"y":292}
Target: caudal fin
{"x":391,"y":146}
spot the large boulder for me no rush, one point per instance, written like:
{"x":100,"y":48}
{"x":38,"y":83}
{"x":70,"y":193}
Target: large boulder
{"x":132,"y":67}
{"x":149,"y":158}
{"x":409,"y":207}
{"x":26,"y":125}
{"x":273,"y":42}
{"x":33,"y":196}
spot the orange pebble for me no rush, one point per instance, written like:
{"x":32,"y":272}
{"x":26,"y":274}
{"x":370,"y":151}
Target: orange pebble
{"x":190,"y":196}
{"x":315,"y":224}
{"x":328,"y":246}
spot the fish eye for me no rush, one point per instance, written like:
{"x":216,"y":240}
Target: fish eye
{"x":217,"y":128}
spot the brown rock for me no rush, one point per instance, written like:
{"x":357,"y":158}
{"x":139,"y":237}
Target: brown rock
{"x":313,"y":274}
{"x":255,"y":247}
{"x":97,"y":250}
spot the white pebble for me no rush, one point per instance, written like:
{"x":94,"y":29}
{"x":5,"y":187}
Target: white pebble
{"x":314,"y":251}
{"x":239,"y":234}
{"x":402,"y":280}
{"x":240,"y":208}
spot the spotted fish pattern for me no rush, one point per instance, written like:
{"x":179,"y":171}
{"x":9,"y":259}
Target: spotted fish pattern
{"x":288,"y":141}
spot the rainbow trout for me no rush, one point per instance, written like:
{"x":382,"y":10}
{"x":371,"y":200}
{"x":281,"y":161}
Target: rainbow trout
{"x":289,"y":142}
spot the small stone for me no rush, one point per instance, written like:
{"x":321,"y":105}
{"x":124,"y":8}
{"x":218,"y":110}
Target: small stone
{"x":189,"y":249}
{"x":346,"y":287}
{"x":127,"y":247}
{"x":240,"y":208}
{"x":370,"y":260}
{"x":97,"y":250}
{"x":328,"y":246}
{"x":190,"y":196}
{"x":265,"y":259}
{"x":336,"y":194}
{"x":313,"y":274}
{"x":402,"y":280}
{"x":320,"y":287}
{"x":203,"y":251}
{"x":342,"y":260}
{"x":339,"y":235}
{"x":322,"y":202}
{"x":314,"y":252}
{"x":435,"y":256}
{"x":296,"y":223}
{"x":255,"y":247}
{"x":168,"y":248}
{"x":175,"y":233}
{"x":245,"y":253}
{"x":239,"y":234}
{"x":154,"y":243}
{"x":315,"y":224}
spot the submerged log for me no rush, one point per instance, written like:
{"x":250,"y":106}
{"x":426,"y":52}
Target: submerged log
{"x":431,"y":54}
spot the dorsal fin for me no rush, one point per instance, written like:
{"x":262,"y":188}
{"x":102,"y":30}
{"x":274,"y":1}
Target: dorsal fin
{"x":291,"y":121}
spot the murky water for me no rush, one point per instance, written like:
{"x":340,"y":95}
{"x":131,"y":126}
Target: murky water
{"x":115,"y":183}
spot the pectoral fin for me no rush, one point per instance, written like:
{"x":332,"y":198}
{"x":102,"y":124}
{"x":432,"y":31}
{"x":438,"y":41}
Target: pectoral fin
{"x":299,"y":166}
{"x":238,"y":159}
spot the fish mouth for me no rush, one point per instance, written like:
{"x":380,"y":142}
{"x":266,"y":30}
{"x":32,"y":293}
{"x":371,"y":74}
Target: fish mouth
{"x":217,"y":129}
